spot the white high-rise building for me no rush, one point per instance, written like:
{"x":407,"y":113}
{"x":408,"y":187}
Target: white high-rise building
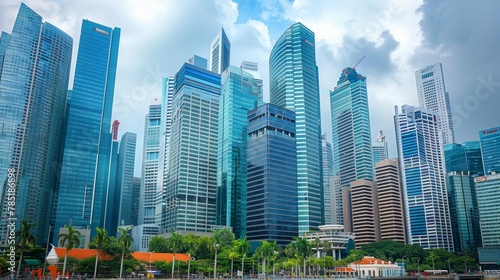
{"x":432,"y":95}
{"x":220,"y":51}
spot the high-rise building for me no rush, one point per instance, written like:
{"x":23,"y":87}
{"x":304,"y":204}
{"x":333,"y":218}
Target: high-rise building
{"x":112,"y":206}
{"x":35,"y":63}
{"x":191,"y":173}
{"x":464,"y":157}
{"x":252,"y":68}
{"x":124,"y":180}
{"x":272,"y":175}
{"x":327,"y":173}
{"x":84,"y":181}
{"x":336,"y":200}
{"x":464,"y":213}
{"x":136,"y":192}
{"x":351,"y":135}
{"x":150,"y":162}
{"x":432,"y":95}
{"x":220,"y":51}
{"x":490,"y":145}
{"x":379,"y":148}
{"x":294,"y":86}
{"x":422,"y":170}
{"x":390,"y":201}
{"x":237,"y":98}
{"x":488,"y":191}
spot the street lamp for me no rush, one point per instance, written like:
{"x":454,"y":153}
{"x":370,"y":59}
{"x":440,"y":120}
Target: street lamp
{"x":433,"y":264}
{"x":418,"y":265}
{"x":215,"y":263}
{"x":449,"y":267}
{"x":404,"y":269}
{"x":150,"y":253}
{"x":189,"y":265}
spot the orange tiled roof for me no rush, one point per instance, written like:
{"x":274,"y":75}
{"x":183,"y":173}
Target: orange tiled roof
{"x":145,"y":256}
{"x":344,"y":269}
{"x":371,"y":260}
{"x":79,"y":253}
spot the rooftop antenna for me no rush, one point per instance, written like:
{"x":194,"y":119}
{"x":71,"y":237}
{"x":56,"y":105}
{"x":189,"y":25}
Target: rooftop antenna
{"x":346,"y":73}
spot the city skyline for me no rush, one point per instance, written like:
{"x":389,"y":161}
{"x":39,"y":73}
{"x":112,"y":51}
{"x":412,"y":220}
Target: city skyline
{"x":379,"y":30}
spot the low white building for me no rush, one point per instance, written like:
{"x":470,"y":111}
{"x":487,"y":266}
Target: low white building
{"x":372,"y":267}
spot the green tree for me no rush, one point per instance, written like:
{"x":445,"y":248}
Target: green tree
{"x":264,"y":252}
{"x":124,"y":241}
{"x":292,"y":253}
{"x":70,"y":240}
{"x":174,"y":243}
{"x":25,"y":239}
{"x":191,"y":244}
{"x":304,"y":248}
{"x":158,"y":244}
{"x":222,"y":238}
{"x":100,"y":241}
{"x":243,"y":248}
{"x":233,"y":254}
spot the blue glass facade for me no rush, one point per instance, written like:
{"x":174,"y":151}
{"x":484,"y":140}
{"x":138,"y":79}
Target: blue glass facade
{"x":124,"y":180}
{"x":84,"y":178}
{"x":34,"y":73}
{"x":191,"y":174}
{"x":488,"y":192}
{"x":220,"y":53}
{"x":464,"y":157}
{"x":490,"y":145}
{"x":271,"y":175}
{"x":237,"y":98}
{"x":294,"y":85}
{"x":423,"y":177}
{"x":328,"y":192}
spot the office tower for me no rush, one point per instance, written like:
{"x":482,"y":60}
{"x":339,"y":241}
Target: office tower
{"x":124,"y":180}
{"x":464,"y":157}
{"x":255,"y":80}
{"x":336,"y":200}
{"x":361,"y":211}
{"x":379,"y":148}
{"x":237,"y":98}
{"x":150,"y":162}
{"x":327,"y":173}
{"x":220,"y":51}
{"x":83,"y":186}
{"x":488,"y":191}
{"x":35,"y":63}
{"x":272,"y":175}
{"x":112,"y":206}
{"x":490,"y":147}
{"x":464,"y":213}
{"x":432,"y":95}
{"x":136,"y":192}
{"x":423,"y":176}
{"x":191,"y":175}
{"x":390,"y":201}
{"x":198,"y":61}
{"x":294,"y":85}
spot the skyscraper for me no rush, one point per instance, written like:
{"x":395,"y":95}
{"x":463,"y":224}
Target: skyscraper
{"x":351,"y":135}
{"x":379,"y":148}
{"x":432,"y":95}
{"x":84,"y":183}
{"x":237,"y":98}
{"x":423,"y":176}
{"x":464,"y":157}
{"x":124,"y":180}
{"x":488,"y":191}
{"x":294,"y":86}
{"x":490,"y":145}
{"x":150,"y":162}
{"x":327,"y":173}
{"x":272,"y":175}
{"x":191,"y":174}
{"x":35,"y":63}
{"x":220,"y":51}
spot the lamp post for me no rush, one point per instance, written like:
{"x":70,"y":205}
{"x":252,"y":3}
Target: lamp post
{"x":449,"y":267}
{"x":465,"y":271}
{"x":418,"y":265}
{"x":404,"y":269}
{"x":189,"y":265}
{"x":215,"y":262}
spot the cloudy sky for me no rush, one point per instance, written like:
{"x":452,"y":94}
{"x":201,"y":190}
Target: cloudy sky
{"x":397,"y":38}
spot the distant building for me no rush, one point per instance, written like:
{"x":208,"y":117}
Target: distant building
{"x":488,"y":192}
{"x":142,"y":234}
{"x":272,"y":212}
{"x":380,"y":150}
{"x":432,"y":95}
{"x":490,"y":147}
{"x":220,"y":52}
{"x":372,"y":267}
{"x":335,"y":235}
{"x":124,"y":180}
{"x":464,"y":157}
{"x":328,"y":191}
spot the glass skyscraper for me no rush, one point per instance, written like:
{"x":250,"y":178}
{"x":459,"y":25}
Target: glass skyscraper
{"x":488,"y":191}
{"x":191,"y":174}
{"x":84,"y":184}
{"x":423,"y":176}
{"x":351,"y":135}
{"x":150,"y":162}
{"x":237,"y":98}
{"x":464,"y":157}
{"x":432,"y":95}
{"x":272,"y":177}
{"x":328,"y":190}
{"x":220,"y":51}
{"x":124,"y":180}
{"x":490,"y":147}
{"x":294,"y":86}
{"x":35,"y":63}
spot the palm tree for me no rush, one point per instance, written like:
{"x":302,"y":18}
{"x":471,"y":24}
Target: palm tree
{"x":25,"y":239}
{"x":265,"y":251}
{"x":243,"y":248}
{"x":191,"y":244}
{"x":232,"y":255}
{"x":174,"y":244}
{"x":291,"y":252}
{"x":101,"y":240}
{"x":70,"y":240}
{"x":124,"y":241}
{"x":326,"y":247}
{"x":303,"y":249}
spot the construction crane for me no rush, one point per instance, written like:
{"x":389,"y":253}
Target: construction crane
{"x":381,"y":136}
{"x":346,"y":73}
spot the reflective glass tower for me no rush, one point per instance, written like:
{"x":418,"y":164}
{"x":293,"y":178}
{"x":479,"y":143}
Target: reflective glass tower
{"x":351,"y":134}
{"x":191,"y":174}
{"x":464,"y":157}
{"x":328,"y":191}
{"x":488,"y":191}
{"x":272,"y":176}
{"x":35,"y":63}
{"x":237,"y":98}
{"x":294,"y":86}
{"x":220,"y":51}
{"x":124,"y":180}
{"x":490,"y":147}
{"x":423,"y":177}
{"x":84,"y":184}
